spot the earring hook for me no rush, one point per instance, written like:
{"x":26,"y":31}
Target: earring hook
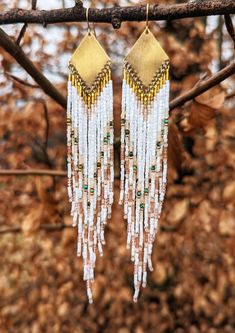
{"x":87,"y":20}
{"x":147,"y":16}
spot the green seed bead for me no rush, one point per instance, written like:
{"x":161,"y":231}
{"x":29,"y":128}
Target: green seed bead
{"x":153,"y":168}
{"x":146,"y":191}
{"x":92,"y":191}
{"x":108,"y":135}
{"x":138,"y":194}
{"x":166,"y":121}
{"x":141,"y":206}
{"x":130,"y":154}
{"x":135,"y":167}
{"x":123,"y":121}
{"x":127,"y":132}
{"x":105,"y":140}
{"x":159,"y":144}
{"x":85,"y":187}
{"x":98,"y":164}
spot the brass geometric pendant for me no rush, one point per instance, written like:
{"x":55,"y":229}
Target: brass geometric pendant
{"x":89,"y":59}
{"x":146,"y":64}
{"x":90,"y":68}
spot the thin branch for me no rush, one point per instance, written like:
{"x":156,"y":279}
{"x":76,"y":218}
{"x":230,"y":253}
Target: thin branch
{"x":117,"y":15}
{"x":25,"y":83}
{"x":21,"y":34}
{"x":34,"y":4}
{"x":24,"y":28}
{"x":230,"y":28}
{"x":220,"y":41}
{"x":205,"y":85}
{"x":231,"y":95}
{"x":60,"y":227}
{"x":33,"y":172}
{"x":46,"y":117}
{"x":46,"y":227}
{"x":18,"y":54}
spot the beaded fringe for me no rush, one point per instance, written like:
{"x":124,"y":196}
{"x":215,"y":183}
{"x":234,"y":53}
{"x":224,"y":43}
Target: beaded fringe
{"x":90,"y":164}
{"x":144,"y":133}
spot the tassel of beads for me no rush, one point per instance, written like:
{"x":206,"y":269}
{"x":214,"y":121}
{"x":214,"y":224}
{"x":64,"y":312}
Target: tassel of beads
{"x":144,"y":132}
{"x":90,"y":165}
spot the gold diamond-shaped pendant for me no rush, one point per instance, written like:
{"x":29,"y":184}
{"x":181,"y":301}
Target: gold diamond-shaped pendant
{"x":146,"y":57}
{"x":89,"y":59}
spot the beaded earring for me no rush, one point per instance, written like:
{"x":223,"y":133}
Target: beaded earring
{"x":90,"y":148}
{"x":144,"y":132}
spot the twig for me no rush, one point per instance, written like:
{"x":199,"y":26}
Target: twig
{"x":60,"y":227}
{"x":33,"y":172}
{"x":46,"y":116}
{"x":117,"y":15}
{"x":21,"y":34}
{"x":25,"y":83}
{"x":204,"y":86}
{"x":18,"y":54}
{"x":46,"y":227}
{"x":24,"y":28}
{"x":220,"y":41}
{"x":34,"y":4}
{"x":230,"y":28}
{"x":43,"y":149}
{"x":231,"y":95}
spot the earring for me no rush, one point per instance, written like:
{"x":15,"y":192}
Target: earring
{"x":90,"y":148}
{"x":144,"y":131}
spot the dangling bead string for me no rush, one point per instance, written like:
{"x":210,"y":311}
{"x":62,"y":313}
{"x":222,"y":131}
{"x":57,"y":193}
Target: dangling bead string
{"x":90,"y":163}
{"x":144,"y":131}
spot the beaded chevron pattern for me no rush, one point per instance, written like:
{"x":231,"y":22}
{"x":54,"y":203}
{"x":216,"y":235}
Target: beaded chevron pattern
{"x":144,"y":132}
{"x":90,"y":163}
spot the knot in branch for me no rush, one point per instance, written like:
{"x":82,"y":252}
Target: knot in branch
{"x":116,"y":18}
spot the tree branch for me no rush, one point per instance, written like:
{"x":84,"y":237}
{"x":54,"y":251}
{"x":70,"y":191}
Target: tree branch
{"x":33,"y":172}
{"x":18,"y":54}
{"x":205,"y":85}
{"x":60,"y":227}
{"x":117,"y":15}
{"x":46,"y":227}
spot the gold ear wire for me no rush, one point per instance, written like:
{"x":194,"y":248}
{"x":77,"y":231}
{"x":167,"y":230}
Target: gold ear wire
{"x":88,"y":23}
{"x":87,"y":20}
{"x":147,"y":17}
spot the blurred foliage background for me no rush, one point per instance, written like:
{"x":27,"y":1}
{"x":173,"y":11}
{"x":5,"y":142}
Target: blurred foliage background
{"x":192,"y":287}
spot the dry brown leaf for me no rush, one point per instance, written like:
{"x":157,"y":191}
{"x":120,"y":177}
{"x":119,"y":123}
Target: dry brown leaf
{"x":200,"y":115}
{"x":229,"y":192}
{"x":178,"y":212}
{"x":202,"y":109}
{"x":32,"y":221}
{"x":213,"y":98}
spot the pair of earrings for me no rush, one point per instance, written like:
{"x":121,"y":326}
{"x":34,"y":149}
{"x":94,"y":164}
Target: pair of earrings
{"x":90,"y":138}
